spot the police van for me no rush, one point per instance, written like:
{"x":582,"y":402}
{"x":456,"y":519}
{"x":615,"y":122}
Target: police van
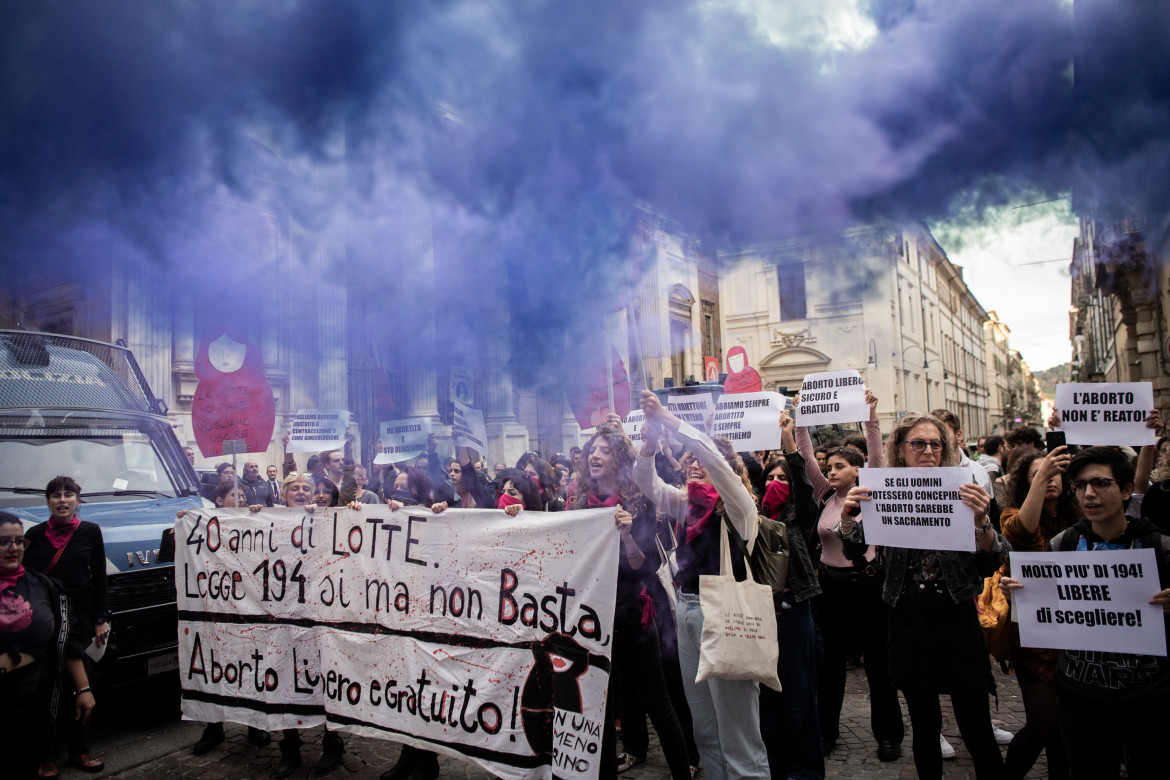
{"x":82,"y":408}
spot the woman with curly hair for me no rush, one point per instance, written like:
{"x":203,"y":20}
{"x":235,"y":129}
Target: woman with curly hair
{"x":607,"y":480}
{"x":1041,"y":506}
{"x":726,"y":713}
{"x":935,"y":641}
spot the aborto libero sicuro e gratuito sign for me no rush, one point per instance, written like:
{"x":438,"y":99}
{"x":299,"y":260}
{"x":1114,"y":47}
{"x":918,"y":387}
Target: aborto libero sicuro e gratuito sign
{"x":469,"y":632}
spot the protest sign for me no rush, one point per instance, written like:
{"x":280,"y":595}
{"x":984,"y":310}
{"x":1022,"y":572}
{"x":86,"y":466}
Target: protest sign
{"x":917,"y":508}
{"x":233,"y":400}
{"x":469,"y":429}
{"x":403,"y":439}
{"x":694,"y":409}
{"x":633,"y":425}
{"x":1106,"y":413}
{"x":1096,"y":600}
{"x":831,"y":397}
{"x":750,"y":420}
{"x":469,"y":633}
{"x":314,"y":430}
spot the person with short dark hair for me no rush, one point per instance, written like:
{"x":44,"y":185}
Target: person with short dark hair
{"x":857,"y":441}
{"x":73,"y":553}
{"x":992,"y":459}
{"x":1024,"y":436}
{"x":1111,"y":706}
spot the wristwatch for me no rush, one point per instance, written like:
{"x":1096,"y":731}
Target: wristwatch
{"x":985,"y":529}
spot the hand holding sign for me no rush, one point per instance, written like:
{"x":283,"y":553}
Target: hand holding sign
{"x":1109,"y":413}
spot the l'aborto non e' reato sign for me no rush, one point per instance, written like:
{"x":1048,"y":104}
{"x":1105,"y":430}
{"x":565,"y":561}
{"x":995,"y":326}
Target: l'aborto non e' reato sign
{"x":917,"y":508}
{"x":469,"y":633}
{"x":1108,"y":413}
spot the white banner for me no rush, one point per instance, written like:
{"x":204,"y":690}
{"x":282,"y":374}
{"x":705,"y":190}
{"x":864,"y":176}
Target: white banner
{"x":750,"y":420}
{"x":403,"y":439}
{"x":1110,"y":413}
{"x":694,"y":409}
{"x":1096,"y":600}
{"x":469,"y":428}
{"x":469,"y":633}
{"x":314,"y":430}
{"x":832,"y":397}
{"x":919,"y":509}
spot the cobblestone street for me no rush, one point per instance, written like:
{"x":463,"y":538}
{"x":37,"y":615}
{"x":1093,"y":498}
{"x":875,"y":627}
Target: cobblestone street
{"x":854,"y":756}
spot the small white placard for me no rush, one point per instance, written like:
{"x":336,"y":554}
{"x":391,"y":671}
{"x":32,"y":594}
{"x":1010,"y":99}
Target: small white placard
{"x":403,"y":439}
{"x":633,"y":425}
{"x":919,"y":509}
{"x":469,"y":428}
{"x":750,"y":420}
{"x":695,"y":410}
{"x":1109,"y":413}
{"x":314,"y":430}
{"x":1097,"y":600}
{"x":832,"y":397}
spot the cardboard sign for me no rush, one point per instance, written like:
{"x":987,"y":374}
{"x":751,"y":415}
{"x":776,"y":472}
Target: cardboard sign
{"x":1097,"y":600}
{"x":750,"y":420}
{"x":919,"y":509}
{"x":1106,"y":413}
{"x":314,"y":430}
{"x":694,"y":410}
{"x":233,"y":400}
{"x":832,"y":397}
{"x":468,"y":633}
{"x":469,"y":428}
{"x":403,"y":439}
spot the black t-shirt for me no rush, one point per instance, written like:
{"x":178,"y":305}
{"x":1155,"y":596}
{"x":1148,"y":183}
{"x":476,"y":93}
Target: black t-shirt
{"x":28,"y":618}
{"x":81,"y":571}
{"x":701,"y":555}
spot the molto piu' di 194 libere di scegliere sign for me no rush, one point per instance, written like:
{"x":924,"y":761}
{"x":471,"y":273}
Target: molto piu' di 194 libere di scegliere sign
{"x":468,"y":632}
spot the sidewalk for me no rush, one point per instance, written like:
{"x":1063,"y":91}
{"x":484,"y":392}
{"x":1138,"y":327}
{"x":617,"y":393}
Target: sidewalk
{"x":854,"y":756}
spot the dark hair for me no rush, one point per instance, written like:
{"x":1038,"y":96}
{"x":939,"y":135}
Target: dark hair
{"x":523,"y":460}
{"x":624,"y":457}
{"x":223,"y":489}
{"x":857,"y":442}
{"x":222,"y":467}
{"x":419,"y":485}
{"x":313,"y":463}
{"x":1024,"y":436}
{"x":7,"y":518}
{"x":61,"y":483}
{"x":574,"y":451}
{"x":773,"y":462}
{"x":848,"y":454}
{"x":331,"y":486}
{"x":1122,"y":469}
{"x":992,"y":445}
{"x":523,"y":485}
{"x":948,"y":417}
{"x":822,"y":450}
{"x":544,"y":472}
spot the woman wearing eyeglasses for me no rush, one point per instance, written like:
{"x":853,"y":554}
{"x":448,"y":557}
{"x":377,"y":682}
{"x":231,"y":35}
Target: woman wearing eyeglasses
{"x":34,"y":623}
{"x":935,"y":641}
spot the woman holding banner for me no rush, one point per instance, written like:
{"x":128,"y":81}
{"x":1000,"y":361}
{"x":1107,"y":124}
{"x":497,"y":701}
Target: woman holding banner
{"x":936,"y":644}
{"x":608,"y":481}
{"x":1039,"y":508}
{"x":726,"y":713}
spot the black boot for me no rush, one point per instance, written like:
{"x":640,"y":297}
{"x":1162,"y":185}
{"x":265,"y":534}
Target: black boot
{"x":212,"y":736}
{"x":332,"y":749}
{"x":407,"y":758}
{"x":290,"y":754}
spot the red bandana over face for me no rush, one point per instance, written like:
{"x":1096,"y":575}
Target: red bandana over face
{"x":701,"y":500}
{"x":775,"y":497}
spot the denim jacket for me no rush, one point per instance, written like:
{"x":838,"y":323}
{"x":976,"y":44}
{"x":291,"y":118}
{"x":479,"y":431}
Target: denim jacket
{"x":963,"y":572}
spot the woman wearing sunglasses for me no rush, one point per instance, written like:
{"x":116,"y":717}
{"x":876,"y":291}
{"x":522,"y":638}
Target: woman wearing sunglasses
{"x":936,"y":644}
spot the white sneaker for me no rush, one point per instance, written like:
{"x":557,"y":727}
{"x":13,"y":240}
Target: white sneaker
{"x":947,"y":750}
{"x":1002,"y":737}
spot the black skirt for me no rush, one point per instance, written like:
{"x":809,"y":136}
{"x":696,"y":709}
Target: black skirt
{"x":936,"y":645}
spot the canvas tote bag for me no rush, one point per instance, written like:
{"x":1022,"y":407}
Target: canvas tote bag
{"x":739,"y":639}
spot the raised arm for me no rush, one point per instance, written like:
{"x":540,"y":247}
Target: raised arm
{"x":873,"y":433}
{"x":670,"y":500}
{"x":804,"y":444}
{"x":738,"y":502}
{"x":804,"y":501}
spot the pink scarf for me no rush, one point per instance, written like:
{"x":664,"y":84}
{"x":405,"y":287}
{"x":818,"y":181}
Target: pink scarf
{"x":506,"y":501}
{"x":775,"y":497}
{"x":59,"y":533}
{"x":701,"y":500}
{"x":593,"y":501}
{"x":9,"y":580}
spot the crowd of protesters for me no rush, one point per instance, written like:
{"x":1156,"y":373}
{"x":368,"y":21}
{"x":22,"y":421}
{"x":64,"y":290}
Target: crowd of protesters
{"x":911,"y":614}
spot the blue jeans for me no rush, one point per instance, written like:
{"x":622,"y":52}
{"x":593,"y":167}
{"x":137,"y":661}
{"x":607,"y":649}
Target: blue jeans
{"x":726,"y":713}
{"x":790,"y":720}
